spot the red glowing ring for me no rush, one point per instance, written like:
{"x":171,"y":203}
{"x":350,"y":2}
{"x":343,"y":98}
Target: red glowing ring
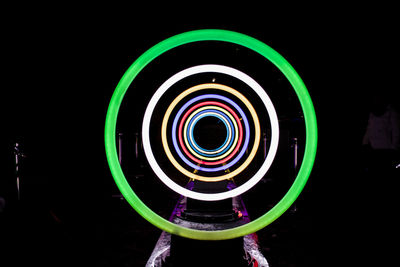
{"x":202,"y":161}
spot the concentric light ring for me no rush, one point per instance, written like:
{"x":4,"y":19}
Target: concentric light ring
{"x":192,"y":71}
{"x":210,"y":154}
{"x":184,"y":117}
{"x":241,"y":40}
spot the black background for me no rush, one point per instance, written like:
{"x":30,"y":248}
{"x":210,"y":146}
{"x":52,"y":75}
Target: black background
{"x":60,"y":67}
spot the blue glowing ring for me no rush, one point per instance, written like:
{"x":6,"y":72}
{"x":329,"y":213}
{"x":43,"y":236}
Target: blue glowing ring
{"x":246,"y":126}
{"x":229,"y":133}
{"x":199,"y":159}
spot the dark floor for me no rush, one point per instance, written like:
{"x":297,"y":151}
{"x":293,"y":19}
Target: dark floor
{"x":120,"y":237}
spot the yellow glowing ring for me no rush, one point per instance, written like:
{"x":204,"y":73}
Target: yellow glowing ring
{"x":244,"y":101}
{"x":218,"y":157}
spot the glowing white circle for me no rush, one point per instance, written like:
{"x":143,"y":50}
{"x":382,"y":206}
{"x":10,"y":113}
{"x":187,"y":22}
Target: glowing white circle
{"x":240,"y":76}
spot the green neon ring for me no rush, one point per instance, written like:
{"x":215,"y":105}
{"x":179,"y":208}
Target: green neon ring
{"x":269,"y":54}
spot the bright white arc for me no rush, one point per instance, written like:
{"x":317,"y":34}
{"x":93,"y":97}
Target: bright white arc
{"x":257,"y":89}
